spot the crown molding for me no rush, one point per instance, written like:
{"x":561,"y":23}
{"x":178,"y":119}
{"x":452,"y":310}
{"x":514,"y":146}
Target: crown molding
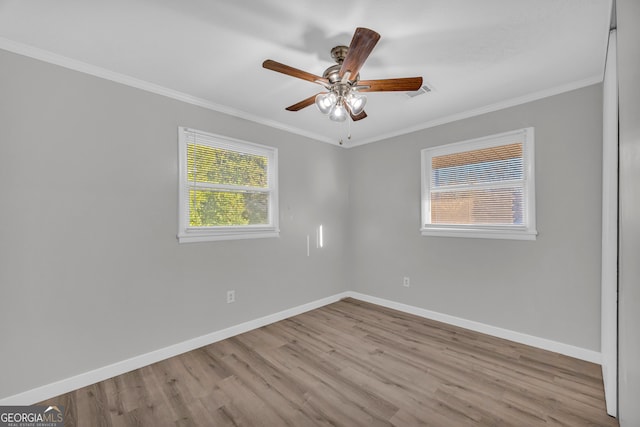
{"x":534,"y":96}
{"x":103,"y":73}
{"x":83,"y":67}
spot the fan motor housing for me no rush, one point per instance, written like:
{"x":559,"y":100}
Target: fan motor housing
{"x":338,"y":53}
{"x":332,"y":73}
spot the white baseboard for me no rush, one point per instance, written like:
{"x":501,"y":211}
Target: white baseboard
{"x":57,"y":388}
{"x":47,"y":391}
{"x":543,"y":343}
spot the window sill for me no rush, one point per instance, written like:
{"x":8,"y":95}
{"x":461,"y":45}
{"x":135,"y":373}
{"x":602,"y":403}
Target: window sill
{"x":210,"y":236}
{"x":479,"y":233}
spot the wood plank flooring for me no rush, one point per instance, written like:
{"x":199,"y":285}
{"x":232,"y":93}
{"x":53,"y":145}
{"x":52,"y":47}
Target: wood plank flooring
{"x":350,"y":364}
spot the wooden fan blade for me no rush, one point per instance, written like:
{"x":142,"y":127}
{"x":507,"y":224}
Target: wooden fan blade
{"x":304,"y":103}
{"x":294,"y":72}
{"x":407,"y":84}
{"x":362,"y":43}
{"x":360,"y":116}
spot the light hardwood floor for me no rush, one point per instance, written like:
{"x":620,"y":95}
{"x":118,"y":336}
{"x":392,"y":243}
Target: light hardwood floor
{"x":350,"y":364}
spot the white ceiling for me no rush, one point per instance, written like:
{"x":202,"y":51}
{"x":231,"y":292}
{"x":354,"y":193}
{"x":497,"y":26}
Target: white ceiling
{"x":476,"y":55}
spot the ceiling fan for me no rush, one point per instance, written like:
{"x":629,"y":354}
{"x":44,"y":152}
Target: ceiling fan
{"x":343,"y":96}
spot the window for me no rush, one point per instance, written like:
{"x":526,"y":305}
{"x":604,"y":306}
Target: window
{"x":480,"y":188}
{"x":228,"y":188}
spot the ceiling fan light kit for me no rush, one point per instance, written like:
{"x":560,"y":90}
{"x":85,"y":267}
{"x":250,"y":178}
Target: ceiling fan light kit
{"x":338,"y":112}
{"x":342,"y":81}
{"x":324,"y":101}
{"x":336,"y":102}
{"x":356,"y":102}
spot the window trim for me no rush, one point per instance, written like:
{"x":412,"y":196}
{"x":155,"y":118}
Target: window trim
{"x":513,"y":232}
{"x":187,"y":234}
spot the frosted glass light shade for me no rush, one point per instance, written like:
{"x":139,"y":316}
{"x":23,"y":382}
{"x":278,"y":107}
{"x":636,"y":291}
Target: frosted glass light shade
{"x":338,"y":113}
{"x":356,"y":102}
{"x":325,"y":102}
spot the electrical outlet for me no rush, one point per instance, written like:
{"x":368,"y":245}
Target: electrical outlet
{"x":406,"y":282}
{"x":231,"y":297}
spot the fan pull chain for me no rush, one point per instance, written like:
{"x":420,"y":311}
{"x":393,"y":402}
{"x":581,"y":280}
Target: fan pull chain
{"x":346,"y":129}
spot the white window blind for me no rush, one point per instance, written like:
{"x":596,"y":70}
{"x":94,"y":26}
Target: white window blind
{"x":480,"y":188}
{"x":228,"y":188}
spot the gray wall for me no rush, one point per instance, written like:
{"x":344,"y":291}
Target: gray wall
{"x":628,"y":13}
{"x":548,"y":288}
{"x":91,"y":273}
{"x":90,"y":269}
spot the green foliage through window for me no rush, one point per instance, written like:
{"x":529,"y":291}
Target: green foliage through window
{"x":225,"y":187}
{"x":218,"y":166}
{"x":225,"y":208}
